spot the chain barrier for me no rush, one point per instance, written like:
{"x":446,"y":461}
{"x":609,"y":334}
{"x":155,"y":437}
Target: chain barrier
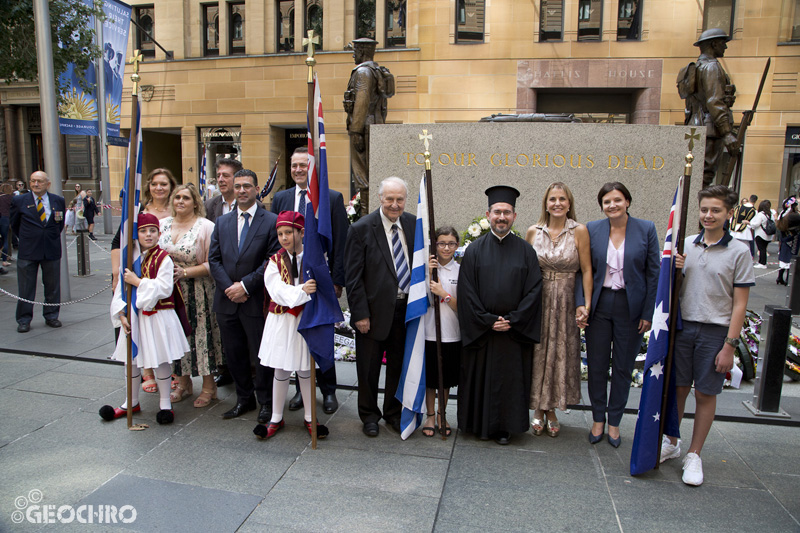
{"x":79,"y":300}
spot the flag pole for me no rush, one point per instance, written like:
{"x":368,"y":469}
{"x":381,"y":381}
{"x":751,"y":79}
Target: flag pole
{"x":674,"y":302}
{"x":310,"y":41}
{"x":132,"y":151}
{"x":437,"y":312}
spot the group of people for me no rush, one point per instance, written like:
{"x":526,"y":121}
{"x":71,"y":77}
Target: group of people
{"x":81,"y":212}
{"x":221,"y":285}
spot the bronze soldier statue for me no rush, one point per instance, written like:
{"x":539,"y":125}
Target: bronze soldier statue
{"x":365,"y":103}
{"x":709,"y":97}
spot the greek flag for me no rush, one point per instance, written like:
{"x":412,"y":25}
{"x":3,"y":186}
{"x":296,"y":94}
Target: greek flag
{"x":646,"y":450}
{"x":202,"y":187}
{"x":132,"y":186}
{"x":411,"y":389}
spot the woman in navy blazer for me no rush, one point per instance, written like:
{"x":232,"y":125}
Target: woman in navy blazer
{"x":625,"y":263}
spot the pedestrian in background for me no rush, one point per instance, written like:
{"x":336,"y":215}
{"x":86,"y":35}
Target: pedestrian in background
{"x":760,"y":224}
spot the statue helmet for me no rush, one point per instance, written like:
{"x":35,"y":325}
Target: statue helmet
{"x":365,"y":42}
{"x":711,"y":34}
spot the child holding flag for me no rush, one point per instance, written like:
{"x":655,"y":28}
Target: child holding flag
{"x":159,"y":335}
{"x":282,"y":346}
{"x":718,"y":274}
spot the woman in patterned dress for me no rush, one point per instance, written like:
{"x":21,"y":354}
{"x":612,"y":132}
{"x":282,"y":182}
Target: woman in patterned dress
{"x":186,"y":235}
{"x":564,"y":257}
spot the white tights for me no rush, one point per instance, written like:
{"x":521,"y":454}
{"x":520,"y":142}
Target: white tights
{"x":163,"y":374}
{"x":280,"y":388}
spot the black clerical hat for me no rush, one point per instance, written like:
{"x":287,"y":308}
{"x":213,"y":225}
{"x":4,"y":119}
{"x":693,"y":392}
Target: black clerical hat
{"x":502,"y":193}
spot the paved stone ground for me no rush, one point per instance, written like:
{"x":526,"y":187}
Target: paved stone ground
{"x":208,"y":474}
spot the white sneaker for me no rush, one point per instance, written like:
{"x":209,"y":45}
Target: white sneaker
{"x":669,"y":450}
{"x":692,"y":469}
{"x":759,"y":265}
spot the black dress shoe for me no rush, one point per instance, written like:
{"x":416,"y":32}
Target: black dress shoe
{"x":23,"y":328}
{"x":264,"y":414}
{"x":53,"y":323}
{"x":296,"y":402}
{"x":502,"y":437}
{"x":3,"y":270}
{"x":370,"y":429}
{"x":394,"y":424}
{"x":330,"y":404}
{"x":223,"y":378}
{"x":240,"y":408}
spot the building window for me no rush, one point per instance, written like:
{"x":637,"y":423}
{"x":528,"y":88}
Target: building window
{"x":470,"y":16}
{"x":796,"y":21}
{"x":211,"y":29}
{"x":590,"y":20}
{"x":145,"y":16}
{"x":236,"y":32}
{"x":395,"y":23}
{"x":314,"y":20}
{"x":719,"y":14}
{"x":285,"y":22}
{"x":629,"y":21}
{"x":365,"y":19}
{"x":551,"y":20}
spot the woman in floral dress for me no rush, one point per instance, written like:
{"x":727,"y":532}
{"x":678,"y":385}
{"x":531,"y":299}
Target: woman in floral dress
{"x":186,"y":235}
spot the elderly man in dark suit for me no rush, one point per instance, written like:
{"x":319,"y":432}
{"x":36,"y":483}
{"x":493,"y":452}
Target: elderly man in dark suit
{"x":38,"y":218}
{"x":378,"y":275}
{"x":241,"y":243}
{"x":294,"y":199}
{"x":225,"y":202}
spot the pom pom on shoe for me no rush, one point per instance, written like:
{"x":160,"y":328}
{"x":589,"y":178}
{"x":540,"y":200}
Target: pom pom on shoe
{"x":165,"y":416}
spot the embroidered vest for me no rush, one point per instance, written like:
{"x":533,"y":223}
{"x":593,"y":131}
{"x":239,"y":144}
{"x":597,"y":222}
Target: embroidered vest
{"x":284,"y":263}
{"x":152,"y":262}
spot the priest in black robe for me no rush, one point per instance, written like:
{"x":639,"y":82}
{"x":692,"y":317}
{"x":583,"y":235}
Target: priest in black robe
{"x":499,"y":311}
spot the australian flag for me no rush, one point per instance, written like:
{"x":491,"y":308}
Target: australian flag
{"x":323,"y":311}
{"x":646,"y":450}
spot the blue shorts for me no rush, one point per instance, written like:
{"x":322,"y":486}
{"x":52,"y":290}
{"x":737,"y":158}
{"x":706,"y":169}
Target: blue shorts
{"x":696,"y":348}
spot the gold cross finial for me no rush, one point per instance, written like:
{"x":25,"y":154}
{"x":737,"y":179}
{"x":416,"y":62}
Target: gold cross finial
{"x":691,"y":137}
{"x":135,"y":60}
{"x":310,"y":41}
{"x":425,"y":137}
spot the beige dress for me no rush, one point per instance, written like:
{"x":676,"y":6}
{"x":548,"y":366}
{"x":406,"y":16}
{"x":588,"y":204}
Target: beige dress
{"x":556,"y":378}
{"x":198,"y":295}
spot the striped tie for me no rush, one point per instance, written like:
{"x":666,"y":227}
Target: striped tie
{"x":40,"y":209}
{"x":400,"y":263}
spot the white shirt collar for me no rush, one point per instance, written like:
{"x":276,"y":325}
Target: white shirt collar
{"x":387,"y":224}
{"x":499,"y":238}
{"x":252,"y":210}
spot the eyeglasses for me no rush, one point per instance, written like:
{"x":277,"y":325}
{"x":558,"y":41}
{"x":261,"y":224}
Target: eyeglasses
{"x":443,"y":245}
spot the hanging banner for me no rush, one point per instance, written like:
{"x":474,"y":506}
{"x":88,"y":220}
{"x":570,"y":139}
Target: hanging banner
{"x":77,"y":112}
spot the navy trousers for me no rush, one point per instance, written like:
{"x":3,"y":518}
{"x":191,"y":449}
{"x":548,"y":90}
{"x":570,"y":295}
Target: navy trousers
{"x":27,"y":272}
{"x":610,"y":324}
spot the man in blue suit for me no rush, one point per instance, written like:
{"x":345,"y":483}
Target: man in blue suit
{"x":294,"y":199}
{"x":242,"y":242}
{"x":38,"y":218}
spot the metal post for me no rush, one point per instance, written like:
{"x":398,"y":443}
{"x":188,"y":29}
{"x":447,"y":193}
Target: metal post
{"x":105,"y":182}
{"x":775,"y":329}
{"x":84,"y":269}
{"x":47,"y":102}
{"x":793,"y":294}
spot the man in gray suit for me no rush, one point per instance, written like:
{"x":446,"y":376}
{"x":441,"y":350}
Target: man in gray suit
{"x":226,"y":201}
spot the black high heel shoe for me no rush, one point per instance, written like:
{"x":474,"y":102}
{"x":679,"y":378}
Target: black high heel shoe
{"x":594,"y":439}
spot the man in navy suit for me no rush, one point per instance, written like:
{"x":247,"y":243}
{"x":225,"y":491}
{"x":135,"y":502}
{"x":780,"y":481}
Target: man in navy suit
{"x":377,"y":269}
{"x":38,"y":218}
{"x":294,"y":199}
{"x":242,"y":242}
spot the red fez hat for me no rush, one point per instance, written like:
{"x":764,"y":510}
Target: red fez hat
{"x":146,"y":219}
{"x":291,"y":218}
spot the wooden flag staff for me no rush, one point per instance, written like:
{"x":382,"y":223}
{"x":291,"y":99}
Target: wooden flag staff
{"x":311,"y":61}
{"x":132,"y":151}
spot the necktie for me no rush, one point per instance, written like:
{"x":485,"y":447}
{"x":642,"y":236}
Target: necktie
{"x":40,"y":209}
{"x":400,"y":263}
{"x":245,"y":229}
{"x":301,"y":205}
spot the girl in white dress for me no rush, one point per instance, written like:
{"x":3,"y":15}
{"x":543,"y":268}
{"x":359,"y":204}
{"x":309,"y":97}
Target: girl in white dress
{"x":282,"y":346}
{"x":161,"y":334}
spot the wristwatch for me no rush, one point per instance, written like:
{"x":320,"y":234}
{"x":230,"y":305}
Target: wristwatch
{"x":732,"y":341}
{"x":446,"y":299}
